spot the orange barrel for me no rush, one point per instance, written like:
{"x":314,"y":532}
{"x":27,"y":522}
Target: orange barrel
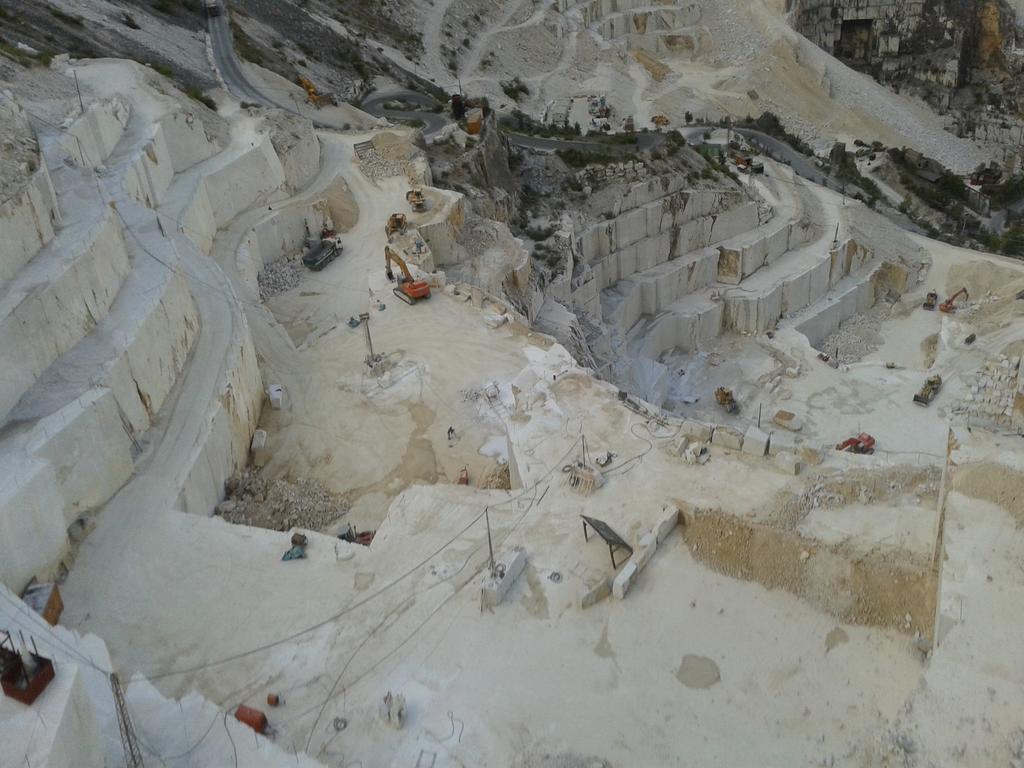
{"x":252,"y":717}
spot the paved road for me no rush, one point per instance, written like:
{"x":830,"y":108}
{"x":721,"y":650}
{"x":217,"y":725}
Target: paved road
{"x":433,"y":122}
{"x":643,"y":141}
{"x":227,"y":63}
{"x":234,"y":76}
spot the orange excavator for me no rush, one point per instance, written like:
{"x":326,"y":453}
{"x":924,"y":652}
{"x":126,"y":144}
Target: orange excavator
{"x":313,"y":96}
{"x":949,"y":305}
{"x":408,"y":290}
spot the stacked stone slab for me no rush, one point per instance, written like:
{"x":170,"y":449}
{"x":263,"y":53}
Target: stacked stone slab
{"x":657,"y":221}
{"x":101,"y":314}
{"x":997,"y":394}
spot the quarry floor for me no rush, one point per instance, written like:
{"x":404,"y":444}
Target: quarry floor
{"x":332,"y":633}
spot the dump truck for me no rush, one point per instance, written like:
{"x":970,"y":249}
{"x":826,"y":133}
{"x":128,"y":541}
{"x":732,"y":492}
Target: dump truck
{"x":931,"y":301}
{"x":322,"y":252}
{"x":931,"y":388}
{"x":213,"y":7}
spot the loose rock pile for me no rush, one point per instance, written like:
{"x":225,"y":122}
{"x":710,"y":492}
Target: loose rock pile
{"x":280,"y":505}
{"x":859,"y":336}
{"x":280,"y":276}
{"x":376,"y":167}
{"x":19,"y":153}
{"x":995,"y":387}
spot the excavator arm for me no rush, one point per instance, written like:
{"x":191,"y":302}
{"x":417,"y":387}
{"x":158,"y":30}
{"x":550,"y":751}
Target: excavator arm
{"x":391,"y":256}
{"x":949,"y":305}
{"x":408,"y":290}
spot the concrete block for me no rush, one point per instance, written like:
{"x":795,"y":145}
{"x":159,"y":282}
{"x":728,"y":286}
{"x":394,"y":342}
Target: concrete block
{"x":506,"y":570}
{"x":645,"y":549}
{"x":624,"y":579}
{"x":275,"y":393}
{"x":678,"y":446}
{"x":755,"y":442}
{"x":727,"y":437}
{"x":593,"y":591}
{"x":788,"y":420}
{"x":781,"y":442}
{"x":667,"y":524}
{"x":788,"y":463}
{"x":696,"y":430}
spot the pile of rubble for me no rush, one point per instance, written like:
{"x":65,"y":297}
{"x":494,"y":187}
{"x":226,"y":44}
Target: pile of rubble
{"x":993,"y":393}
{"x":859,"y":336}
{"x":19,"y":153}
{"x":280,"y":505}
{"x":599,"y":175}
{"x":376,"y":167}
{"x":280,"y":276}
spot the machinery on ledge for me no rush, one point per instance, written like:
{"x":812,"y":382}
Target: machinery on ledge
{"x":395,"y":225}
{"x":862,"y":443}
{"x":408,"y":289}
{"x":725,"y":399}
{"x":313,"y":96}
{"x":931,"y":388}
{"x":931,"y":300}
{"x":416,"y":199}
{"x":322,"y":252}
{"x":949,"y":305}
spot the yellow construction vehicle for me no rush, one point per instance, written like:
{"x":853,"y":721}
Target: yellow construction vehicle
{"x":724,"y":398}
{"x":931,"y":388}
{"x":660,"y":120}
{"x":395,"y":225}
{"x":416,"y":199}
{"x":313,"y":96}
{"x":409,"y":289}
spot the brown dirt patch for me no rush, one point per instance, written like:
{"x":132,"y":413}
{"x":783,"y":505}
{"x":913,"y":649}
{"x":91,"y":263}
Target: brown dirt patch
{"x":877,"y":590}
{"x":929,"y":349}
{"x":823,"y":491}
{"x":993,"y":483}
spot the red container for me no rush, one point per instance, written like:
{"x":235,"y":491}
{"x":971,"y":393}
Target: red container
{"x":20,"y":687}
{"x":252,"y":717}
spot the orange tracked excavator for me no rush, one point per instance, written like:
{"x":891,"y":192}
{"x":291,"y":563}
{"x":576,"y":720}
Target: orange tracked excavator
{"x":949,"y":305}
{"x":408,"y":289}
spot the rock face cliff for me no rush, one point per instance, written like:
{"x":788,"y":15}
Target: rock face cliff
{"x":944,"y":43}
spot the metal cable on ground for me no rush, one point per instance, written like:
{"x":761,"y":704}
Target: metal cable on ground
{"x":334,"y":617}
{"x":506,"y":502}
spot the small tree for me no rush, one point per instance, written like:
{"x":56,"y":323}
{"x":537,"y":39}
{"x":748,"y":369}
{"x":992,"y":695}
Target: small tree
{"x":689,"y":117}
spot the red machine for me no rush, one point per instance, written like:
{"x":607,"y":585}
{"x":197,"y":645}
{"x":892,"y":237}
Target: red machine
{"x":463,"y":476}
{"x":253,"y":718}
{"x":862,"y":443}
{"x":409,"y":290}
{"x":23,"y":677}
{"x":949,"y":305}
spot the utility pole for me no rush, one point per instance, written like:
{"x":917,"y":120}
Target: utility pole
{"x":490,"y":544}
{"x":132,"y":755}
{"x":81,"y":105}
{"x":364,"y":318}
